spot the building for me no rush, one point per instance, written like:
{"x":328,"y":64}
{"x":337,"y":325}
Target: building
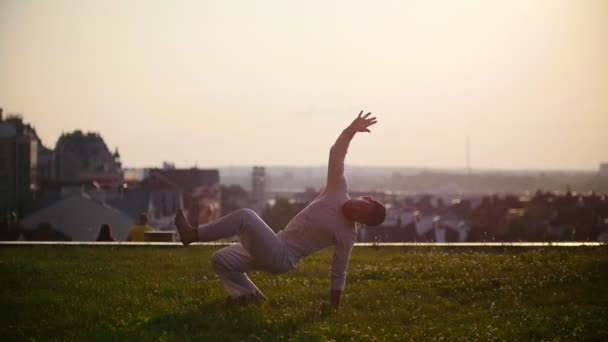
{"x":80,"y":158}
{"x":155,"y":196}
{"x":604,"y":170}
{"x":19,"y":146}
{"x":258,"y":188}
{"x":45,"y":163}
{"x":79,"y":217}
{"x":200,"y":189}
{"x":415,"y":227}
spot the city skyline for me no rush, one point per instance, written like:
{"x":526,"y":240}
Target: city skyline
{"x":213,"y":84}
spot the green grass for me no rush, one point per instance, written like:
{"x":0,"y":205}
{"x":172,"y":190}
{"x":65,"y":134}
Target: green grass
{"x":409,"y":293}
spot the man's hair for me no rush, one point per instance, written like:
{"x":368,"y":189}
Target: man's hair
{"x":378,"y":213}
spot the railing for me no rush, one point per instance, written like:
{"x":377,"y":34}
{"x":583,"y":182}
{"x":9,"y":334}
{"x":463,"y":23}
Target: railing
{"x":358,"y":244}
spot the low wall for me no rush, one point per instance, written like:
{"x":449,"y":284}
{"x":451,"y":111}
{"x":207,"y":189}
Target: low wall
{"x":358,"y":244}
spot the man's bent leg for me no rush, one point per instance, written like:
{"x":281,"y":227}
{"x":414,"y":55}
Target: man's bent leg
{"x":267,"y":251}
{"x":230,"y":264}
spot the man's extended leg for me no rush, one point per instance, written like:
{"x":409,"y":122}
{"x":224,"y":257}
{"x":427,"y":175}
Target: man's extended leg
{"x":231,"y":263}
{"x":224,"y":227}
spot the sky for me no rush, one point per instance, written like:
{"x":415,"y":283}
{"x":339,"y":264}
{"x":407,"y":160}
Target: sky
{"x":237,"y":83}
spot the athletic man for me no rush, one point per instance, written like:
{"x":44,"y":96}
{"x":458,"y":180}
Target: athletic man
{"x":329,"y":220}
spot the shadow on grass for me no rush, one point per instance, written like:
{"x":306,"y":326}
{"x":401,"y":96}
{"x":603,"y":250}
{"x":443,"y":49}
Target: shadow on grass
{"x":216,"y":319}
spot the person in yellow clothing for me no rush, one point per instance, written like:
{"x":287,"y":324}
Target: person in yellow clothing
{"x":136,"y":233}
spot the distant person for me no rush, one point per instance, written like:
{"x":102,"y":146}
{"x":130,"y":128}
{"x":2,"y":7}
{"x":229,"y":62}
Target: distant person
{"x":329,"y":220}
{"x":9,"y":228}
{"x":4,"y":227}
{"x":136,"y":233}
{"x":105,"y":233}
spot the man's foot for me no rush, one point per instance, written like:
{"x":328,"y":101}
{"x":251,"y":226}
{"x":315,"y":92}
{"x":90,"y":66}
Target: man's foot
{"x":187,"y":233}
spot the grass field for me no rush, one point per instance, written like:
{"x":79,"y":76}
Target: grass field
{"x":409,"y":293}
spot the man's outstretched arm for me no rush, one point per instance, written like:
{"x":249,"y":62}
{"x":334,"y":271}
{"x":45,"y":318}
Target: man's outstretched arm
{"x":337,"y":153}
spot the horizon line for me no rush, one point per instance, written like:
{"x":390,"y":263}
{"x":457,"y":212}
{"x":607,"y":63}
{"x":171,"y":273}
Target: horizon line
{"x":417,"y":168}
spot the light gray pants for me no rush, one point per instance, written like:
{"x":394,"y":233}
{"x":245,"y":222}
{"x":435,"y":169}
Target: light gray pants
{"x":259,"y":249}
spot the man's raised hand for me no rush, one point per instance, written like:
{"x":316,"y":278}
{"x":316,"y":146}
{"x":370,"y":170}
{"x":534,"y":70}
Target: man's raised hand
{"x":362,"y":122}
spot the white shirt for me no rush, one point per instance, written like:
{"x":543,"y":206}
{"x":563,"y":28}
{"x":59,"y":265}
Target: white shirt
{"x":322,"y":224}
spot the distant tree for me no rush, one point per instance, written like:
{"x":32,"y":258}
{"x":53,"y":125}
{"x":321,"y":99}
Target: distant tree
{"x":523,"y":230}
{"x":424,"y":204}
{"x":278,"y":215}
{"x":233,"y":198}
{"x":440,"y":204}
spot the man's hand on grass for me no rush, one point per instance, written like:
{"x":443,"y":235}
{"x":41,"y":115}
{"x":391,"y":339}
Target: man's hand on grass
{"x":326,"y":309}
{"x":334,"y":297}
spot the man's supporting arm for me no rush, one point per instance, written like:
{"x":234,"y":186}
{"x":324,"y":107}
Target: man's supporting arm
{"x":335,"y":296}
{"x":339,"y":264}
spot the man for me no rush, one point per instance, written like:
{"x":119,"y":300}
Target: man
{"x":329,"y":220}
{"x":136,"y":233}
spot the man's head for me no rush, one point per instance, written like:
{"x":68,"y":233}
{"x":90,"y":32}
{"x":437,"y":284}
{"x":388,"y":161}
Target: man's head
{"x":365,"y":210}
{"x":143,"y":219}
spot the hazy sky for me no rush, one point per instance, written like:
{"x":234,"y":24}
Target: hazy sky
{"x":273,"y":82}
